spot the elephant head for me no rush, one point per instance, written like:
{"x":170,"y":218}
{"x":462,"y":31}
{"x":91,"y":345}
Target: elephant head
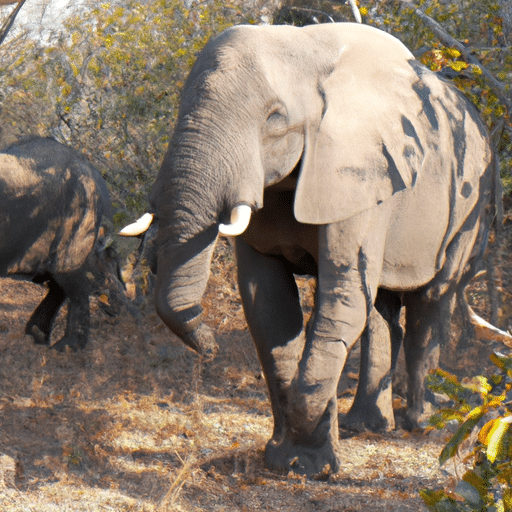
{"x":267,"y":104}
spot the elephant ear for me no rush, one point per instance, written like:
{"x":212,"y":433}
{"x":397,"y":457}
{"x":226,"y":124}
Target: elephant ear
{"x":367,"y":143}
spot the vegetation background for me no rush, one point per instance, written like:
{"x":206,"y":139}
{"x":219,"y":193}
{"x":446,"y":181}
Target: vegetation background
{"x":136,"y":422}
{"x":108,"y":82}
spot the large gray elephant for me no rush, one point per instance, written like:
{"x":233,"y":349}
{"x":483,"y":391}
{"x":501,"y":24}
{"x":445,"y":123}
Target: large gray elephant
{"x":326,"y":150}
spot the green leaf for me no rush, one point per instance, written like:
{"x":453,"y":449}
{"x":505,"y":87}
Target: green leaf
{"x":502,"y":362}
{"x":431,"y":498}
{"x":507,"y":500}
{"x":479,"y":483}
{"x":462,"y":433}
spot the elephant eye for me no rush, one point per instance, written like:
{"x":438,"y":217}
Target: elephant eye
{"x":277,"y":120}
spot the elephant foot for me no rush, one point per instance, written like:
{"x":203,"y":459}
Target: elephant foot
{"x":416,"y":418}
{"x":371,"y":411}
{"x":40,"y":338}
{"x":315,"y":462}
{"x":370,"y":419}
{"x":74,"y":343}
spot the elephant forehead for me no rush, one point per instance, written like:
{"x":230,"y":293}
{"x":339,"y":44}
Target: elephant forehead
{"x":365,"y":44}
{"x":291,"y":62}
{"x":309,"y":50}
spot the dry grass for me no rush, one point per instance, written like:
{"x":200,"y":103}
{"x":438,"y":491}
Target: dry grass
{"x":137,"y":422}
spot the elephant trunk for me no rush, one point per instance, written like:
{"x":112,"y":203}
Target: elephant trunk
{"x":199,"y":191}
{"x":183,"y":272}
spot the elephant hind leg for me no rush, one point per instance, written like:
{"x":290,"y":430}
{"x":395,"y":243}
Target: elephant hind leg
{"x":76,"y":288}
{"x":427,"y":331}
{"x":381,"y":340}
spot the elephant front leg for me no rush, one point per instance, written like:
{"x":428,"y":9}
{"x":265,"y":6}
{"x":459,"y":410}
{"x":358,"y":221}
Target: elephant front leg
{"x":311,"y":444}
{"x":272,"y":308}
{"x":78,"y":318}
{"x":305,"y":437}
{"x":380,"y":344}
{"x":349,"y":266}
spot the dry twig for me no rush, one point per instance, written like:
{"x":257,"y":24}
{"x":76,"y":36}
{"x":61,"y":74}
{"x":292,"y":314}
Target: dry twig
{"x":7,"y":24}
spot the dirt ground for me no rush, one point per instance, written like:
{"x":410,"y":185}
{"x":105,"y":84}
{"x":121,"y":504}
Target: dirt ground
{"x":137,"y":422}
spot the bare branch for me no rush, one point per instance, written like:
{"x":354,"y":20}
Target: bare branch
{"x":486,"y":331}
{"x":496,"y":86}
{"x":7,"y":25}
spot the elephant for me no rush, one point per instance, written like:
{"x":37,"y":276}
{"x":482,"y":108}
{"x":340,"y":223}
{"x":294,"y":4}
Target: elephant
{"x":325,"y":150}
{"x":53,"y":205}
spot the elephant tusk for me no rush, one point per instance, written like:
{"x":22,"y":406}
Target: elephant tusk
{"x":240,"y":218}
{"x":138,"y":227}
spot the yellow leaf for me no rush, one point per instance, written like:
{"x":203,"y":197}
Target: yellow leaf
{"x":497,"y":436}
{"x":474,"y":413}
{"x":103,"y":298}
{"x":458,"y":65}
{"x":477,"y":384}
{"x":476,"y":69}
{"x":453,"y":53}
{"x":485,"y":432}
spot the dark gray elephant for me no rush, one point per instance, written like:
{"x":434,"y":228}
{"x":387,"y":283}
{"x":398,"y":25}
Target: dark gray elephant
{"x":53,"y":203}
{"x":331,"y":152}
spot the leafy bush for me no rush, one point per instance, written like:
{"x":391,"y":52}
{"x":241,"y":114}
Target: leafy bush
{"x":483,"y":408}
